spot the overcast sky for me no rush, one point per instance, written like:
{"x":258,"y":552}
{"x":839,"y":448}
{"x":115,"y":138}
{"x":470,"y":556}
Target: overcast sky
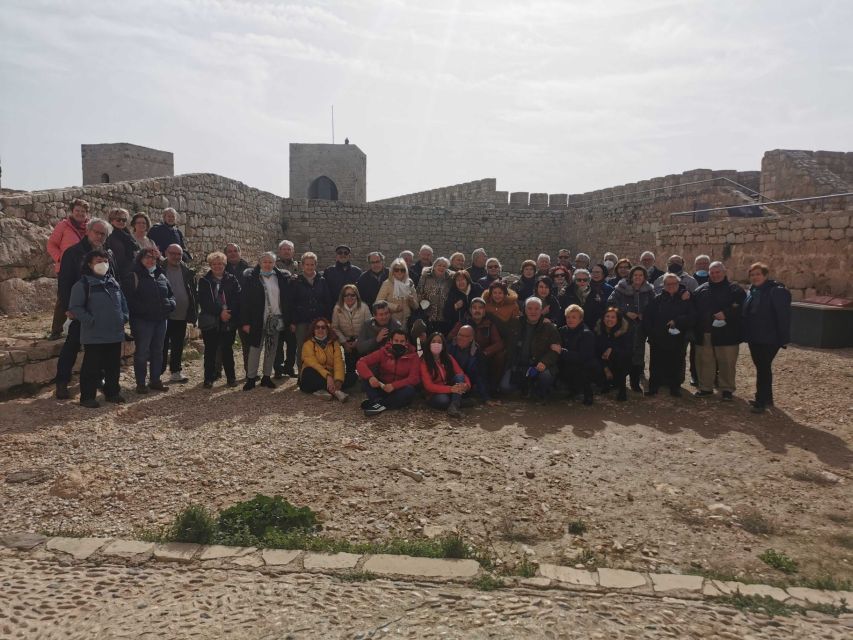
{"x":545,"y":96}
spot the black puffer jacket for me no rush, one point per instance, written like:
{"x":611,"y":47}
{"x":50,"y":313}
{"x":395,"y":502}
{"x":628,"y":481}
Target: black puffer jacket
{"x":309,"y":301}
{"x":663,"y":309}
{"x":578,"y":346}
{"x":453,"y":315}
{"x":710,"y":298}
{"x":767,"y":314}
{"x":618,"y":339}
{"x":149,"y":295}
{"x":124,"y":249}
{"x":211,"y":299}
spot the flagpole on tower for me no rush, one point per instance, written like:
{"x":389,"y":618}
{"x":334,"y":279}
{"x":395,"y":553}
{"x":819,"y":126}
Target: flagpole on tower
{"x":333,"y":124}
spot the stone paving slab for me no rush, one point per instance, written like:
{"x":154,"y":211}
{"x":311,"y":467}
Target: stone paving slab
{"x":569,"y":575}
{"x":128,"y":548}
{"x":219,"y":551}
{"x":815,"y":596}
{"x":78,"y":548}
{"x":22,"y":541}
{"x":386,"y":564}
{"x":330,"y":561}
{"x":279,"y":557}
{"x":176,"y":551}
{"x":620,"y":579}
{"x":764,"y":590}
{"x":662,"y":582}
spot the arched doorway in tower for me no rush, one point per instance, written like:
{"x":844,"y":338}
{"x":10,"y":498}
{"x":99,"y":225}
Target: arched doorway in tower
{"x":323,"y":188}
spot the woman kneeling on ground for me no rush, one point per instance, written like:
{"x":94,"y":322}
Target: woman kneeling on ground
{"x":444,"y":381}
{"x":322,"y":371}
{"x":614,"y":346}
{"x":389,"y":375}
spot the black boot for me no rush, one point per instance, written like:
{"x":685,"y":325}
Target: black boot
{"x":250,"y":384}
{"x":636,"y":373}
{"x":587,"y":394}
{"x":621,"y":394}
{"x":267,"y":382}
{"x":62,"y":391}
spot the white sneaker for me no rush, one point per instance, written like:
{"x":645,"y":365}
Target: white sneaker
{"x":325,"y":395}
{"x":340,"y":395}
{"x":178,"y":376}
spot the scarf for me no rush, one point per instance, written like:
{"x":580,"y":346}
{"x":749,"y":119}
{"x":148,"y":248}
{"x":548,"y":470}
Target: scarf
{"x":402,"y":288}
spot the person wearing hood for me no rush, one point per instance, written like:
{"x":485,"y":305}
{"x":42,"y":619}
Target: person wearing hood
{"x":647,"y":260}
{"x":151,"y":301}
{"x":443,"y":379}
{"x":551,"y":308}
{"x":493,"y":272}
{"x":370,"y":281}
{"x":525,"y":286}
{"x":766,"y":323}
{"x":576,"y":351}
{"x":532,"y":358}
{"x":399,"y":292}
{"x":675,"y":265}
{"x":341,"y":273}
{"x":167,"y":232}
{"x":182,"y":281}
{"x":434,"y":287}
{"x":389,"y":375}
{"x":309,"y":299}
{"x":350,"y":315}
{"x":68,"y":232}
{"x":121,"y":242}
{"x":219,"y":315}
{"x":264,"y":312}
{"x":631,"y":297}
{"x":717,"y":335}
{"x":613,"y":347}
{"x":459,"y":298}
{"x":620,"y":269}
{"x":477,"y":269}
{"x":322,"y":371}
{"x":591,"y":292}
{"x":99,"y":305}
{"x":668,"y":317}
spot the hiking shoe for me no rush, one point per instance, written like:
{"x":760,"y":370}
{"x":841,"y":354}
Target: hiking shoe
{"x":341,"y":396}
{"x":179,"y":377}
{"x":62,"y":391}
{"x":157,"y":385}
{"x":250,"y":384}
{"x":728,"y":395}
{"x":279,"y":375}
{"x":231,"y":383}
{"x":117,"y":399}
{"x":208,"y":385}
{"x":702,"y":393}
{"x":90,"y":404}
{"x":758,"y":408}
{"x":267,"y":382}
{"x":375,"y":409}
{"x":454,"y":411}
{"x":323,"y":395}
{"x":141,"y":389}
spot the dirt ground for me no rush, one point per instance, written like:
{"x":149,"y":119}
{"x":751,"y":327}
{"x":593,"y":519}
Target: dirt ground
{"x":660,"y":483}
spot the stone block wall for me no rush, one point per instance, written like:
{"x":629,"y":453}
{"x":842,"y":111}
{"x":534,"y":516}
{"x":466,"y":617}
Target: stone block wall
{"x":343,"y":164}
{"x":122,"y":161}
{"x":475,"y":191}
{"x":787,"y":174}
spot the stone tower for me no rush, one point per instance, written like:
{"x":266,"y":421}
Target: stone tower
{"x":122,"y":161}
{"x":328,"y":172}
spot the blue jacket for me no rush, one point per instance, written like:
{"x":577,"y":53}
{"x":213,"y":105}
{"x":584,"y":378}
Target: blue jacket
{"x":103,"y":314}
{"x":163,"y":235}
{"x":470,"y":361}
{"x":149,"y":296}
{"x":766,"y":314}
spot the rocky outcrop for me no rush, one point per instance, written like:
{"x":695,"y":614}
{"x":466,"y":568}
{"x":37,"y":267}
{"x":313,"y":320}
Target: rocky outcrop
{"x":23,"y":249}
{"x":19,"y":296}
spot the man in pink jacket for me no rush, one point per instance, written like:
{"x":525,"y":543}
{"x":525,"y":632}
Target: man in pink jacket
{"x":69,"y":231}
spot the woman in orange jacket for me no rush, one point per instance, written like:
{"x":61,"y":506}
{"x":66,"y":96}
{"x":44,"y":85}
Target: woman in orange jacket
{"x":322,"y":369}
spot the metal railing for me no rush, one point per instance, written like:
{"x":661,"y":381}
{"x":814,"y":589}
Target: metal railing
{"x":770,"y":202}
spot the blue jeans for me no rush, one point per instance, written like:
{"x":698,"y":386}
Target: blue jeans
{"x":149,"y":336}
{"x":397,"y":399}
{"x":443,"y":400}
{"x":541,"y":385}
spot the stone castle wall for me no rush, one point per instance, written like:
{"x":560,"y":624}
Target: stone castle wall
{"x":122,"y":161}
{"x":343,"y":164}
{"x":476,"y":191}
{"x":787,"y":174}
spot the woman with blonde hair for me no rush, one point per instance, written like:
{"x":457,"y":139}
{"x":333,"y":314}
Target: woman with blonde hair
{"x":348,"y":316}
{"x":399,"y":292}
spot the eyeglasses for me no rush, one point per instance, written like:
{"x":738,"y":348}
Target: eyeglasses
{"x":342,"y":253}
{"x":582,"y":280}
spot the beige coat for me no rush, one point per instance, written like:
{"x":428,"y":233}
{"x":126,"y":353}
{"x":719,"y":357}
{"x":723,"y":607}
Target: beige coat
{"x":347,"y":324}
{"x":401,"y":308}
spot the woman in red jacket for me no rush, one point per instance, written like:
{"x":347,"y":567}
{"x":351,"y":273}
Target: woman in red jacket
{"x":389,"y":375}
{"x":444,"y":381}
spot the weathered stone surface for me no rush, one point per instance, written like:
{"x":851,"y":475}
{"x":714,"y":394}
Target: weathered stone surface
{"x":279,"y":557}
{"x":128,"y":548}
{"x":330,"y":561}
{"x":19,"y":296}
{"x":620,"y":579}
{"x":219,"y":551}
{"x":28,"y":476}
{"x":23,"y":541}
{"x":568,"y":575}
{"x":815,"y":596}
{"x":11,"y":377}
{"x":78,"y":548}
{"x":40,"y":372}
{"x":764,"y":590}
{"x":253,"y":560}
{"x":69,"y":484}
{"x":538,"y":582}
{"x":176,"y":551}
{"x":672,"y":582}
{"x":386,"y":564}
{"x":23,"y":249}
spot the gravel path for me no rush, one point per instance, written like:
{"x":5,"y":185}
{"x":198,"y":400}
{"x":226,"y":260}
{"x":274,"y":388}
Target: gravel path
{"x":661,"y":484}
{"x":44,"y":599}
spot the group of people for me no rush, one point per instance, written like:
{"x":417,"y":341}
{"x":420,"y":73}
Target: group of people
{"x":457,"y":332}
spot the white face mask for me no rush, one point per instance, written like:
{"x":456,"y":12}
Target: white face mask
{"x":101,"y":268}
{"x":609,"y":264}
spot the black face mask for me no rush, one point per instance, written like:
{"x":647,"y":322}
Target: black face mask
{"x":674,"y":268}
{"x":398,"y":350}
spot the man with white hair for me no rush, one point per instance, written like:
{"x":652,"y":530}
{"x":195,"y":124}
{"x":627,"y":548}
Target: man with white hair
{"x":424,"y":260}
{"x":582,"y":261}
{"x":718,"y":305}
{"x":477,"y":269}
{"x":647,"y":259}
{"x":408,"y":257}
{"x":167,"y":232}
{"x":532,"y":356}
{"x":287,"y":338}
{"x":700,"y":268}
{"x":543,"y":264}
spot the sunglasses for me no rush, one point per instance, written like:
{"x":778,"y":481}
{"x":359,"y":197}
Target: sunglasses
{"x":582,"y":280}
{"x":398,"y":269}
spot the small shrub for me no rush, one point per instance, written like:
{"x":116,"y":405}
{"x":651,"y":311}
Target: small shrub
{"x":356,"y":576}
{"x":778,"y":560}
{"x":756,"y":604}
{"x":588,"y":557}
{"x":828,"y":583}
{"x":160,"y":534}
{"x":577,"y":527}
{"x":263,"y":513}
{"x":754,"y":522}
{"x":194,"y":524}
{"x":453,"y":546}
{"x":487,"y":582}
{"x":525,"y":568}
